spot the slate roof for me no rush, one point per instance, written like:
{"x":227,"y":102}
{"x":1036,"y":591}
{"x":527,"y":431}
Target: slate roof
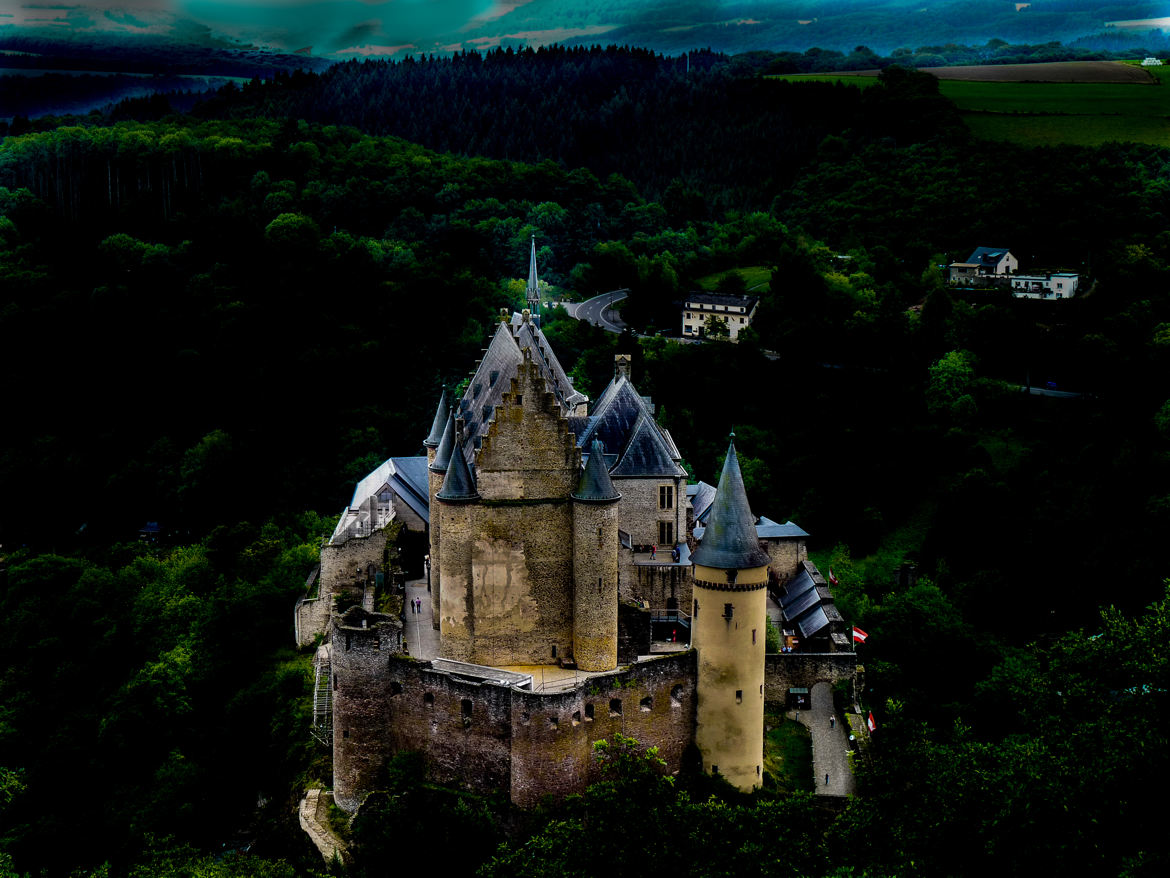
{"x":410,"y":482}
{"x":443,"y":452}
{"x":768,"y":529}
{"x":729,"y":541}
{"x":459,"y":483}
{"x":646,"y":453}
{"x":988,"y":256}
{"x":440,"y":423}
{"x":595,"y":485}
{"x":702,"y":496}
{"x":624,"y":422}
{"x":702,"y":298}
{"x":494,"y":373}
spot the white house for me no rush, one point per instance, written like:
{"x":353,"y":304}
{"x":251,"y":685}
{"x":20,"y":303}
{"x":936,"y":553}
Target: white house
{"x":1050,"y":285}
{"x":984,"y":264}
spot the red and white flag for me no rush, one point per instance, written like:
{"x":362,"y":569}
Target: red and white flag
{"x":869,"y":722}
{"x":832,"y":578}
{"x":859,"y":635}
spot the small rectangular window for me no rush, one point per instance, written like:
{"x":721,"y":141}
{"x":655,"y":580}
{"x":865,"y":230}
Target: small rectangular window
{"x":615,"y":707}
{"x":519,"y":399}
{"x":588,"y":713}
{"x":753,"y":637}
{"x":696,"y":613}
{"x":665,"y":533}
{"x":728,"y":611}
{"x":666,"y":496}
{"x":739,"y":696}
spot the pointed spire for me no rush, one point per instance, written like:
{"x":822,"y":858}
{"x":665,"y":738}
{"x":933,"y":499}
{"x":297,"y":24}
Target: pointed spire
{"x":533,"y":293}
{"x":595,"y":485}
{"x":439,"y":424}
{"x":730,"y":541}
{"x":533,"y":283}
{"x":443,"y":452}
{"x":459,"y":485}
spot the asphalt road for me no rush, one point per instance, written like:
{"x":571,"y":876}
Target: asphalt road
{"x":598,"y":310}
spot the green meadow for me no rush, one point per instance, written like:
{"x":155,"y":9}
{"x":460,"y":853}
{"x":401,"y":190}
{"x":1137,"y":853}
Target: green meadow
{"x":1050,"y":113}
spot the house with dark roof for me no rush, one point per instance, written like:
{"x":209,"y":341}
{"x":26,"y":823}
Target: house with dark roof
{"x":984,"y":265}
{"x":734,"y":312}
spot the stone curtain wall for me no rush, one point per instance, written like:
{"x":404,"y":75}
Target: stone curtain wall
{"x":487,"y":737}
{"x":553,"y":735}
{"x":462,"y":728}
{"x":785,"y":670}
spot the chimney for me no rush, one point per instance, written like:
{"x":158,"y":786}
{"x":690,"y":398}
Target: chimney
{"x":621,"y":366}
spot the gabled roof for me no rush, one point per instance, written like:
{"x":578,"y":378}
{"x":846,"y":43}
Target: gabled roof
{"x":646,"y":453}
{"x":702,"y":496}
{"x":729,"y":541}
{"x":494,"y":374}
{"x":988,"y":255}
{"x":485,"y":391}
{"x":439,"y":424}
{"x":595,"y":485}
{"x":410,"y":483}
{"x":614,"y":415}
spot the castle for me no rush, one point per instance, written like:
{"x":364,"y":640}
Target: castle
{"x":569,"y":564}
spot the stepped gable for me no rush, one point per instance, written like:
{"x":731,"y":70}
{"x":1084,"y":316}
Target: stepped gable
{"x":440,"y":423}
{"x":528,"y":334}
{"x":646,"y":453}
{"x":493,"y":375}
{"x":730,"y":541}
{"x":459,"y":485}
{"x":596,"y":486}
{"x":492,"y":379}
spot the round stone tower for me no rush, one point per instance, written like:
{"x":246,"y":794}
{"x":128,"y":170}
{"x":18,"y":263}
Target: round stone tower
{"x":729,"y":618}
{"x":458,"y":500}
{"x":595,"y":566}
{"x":438,"y":459}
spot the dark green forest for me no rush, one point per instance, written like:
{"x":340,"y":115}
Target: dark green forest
{"x":220,"y":321}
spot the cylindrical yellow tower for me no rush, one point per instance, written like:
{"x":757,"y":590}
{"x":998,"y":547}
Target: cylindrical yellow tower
{"x":438,"y":459}
{"x":728,"y":618}
{"x":595,"y":566}
{"x":458,"y":500}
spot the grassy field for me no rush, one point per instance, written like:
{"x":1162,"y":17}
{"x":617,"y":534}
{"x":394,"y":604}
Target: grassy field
{"x":1049,"y":113}
{"x":787,"y":755}
{"x":753,"y":276}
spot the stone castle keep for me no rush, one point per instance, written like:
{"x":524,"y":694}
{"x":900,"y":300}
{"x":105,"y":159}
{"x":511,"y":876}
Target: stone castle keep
{"x":557,"y":622}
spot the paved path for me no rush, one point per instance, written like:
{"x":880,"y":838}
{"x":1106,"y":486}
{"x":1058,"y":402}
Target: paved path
{"x":830,"y":746}
{"x":421,"y":637}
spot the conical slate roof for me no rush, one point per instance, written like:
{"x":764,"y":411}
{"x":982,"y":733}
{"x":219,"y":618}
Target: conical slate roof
{"x":459,"y":483}
{"x":440,"y":423}
{"x":595,"y":485}
{"x":730,"y":541}
{"x":443,"y":452}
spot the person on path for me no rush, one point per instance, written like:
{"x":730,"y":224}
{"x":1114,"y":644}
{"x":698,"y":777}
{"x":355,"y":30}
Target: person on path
{"x":653,"y":552}
{"x":832,"y":722}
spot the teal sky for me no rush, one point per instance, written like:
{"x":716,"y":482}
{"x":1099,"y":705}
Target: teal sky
{"x":329,"y":26}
